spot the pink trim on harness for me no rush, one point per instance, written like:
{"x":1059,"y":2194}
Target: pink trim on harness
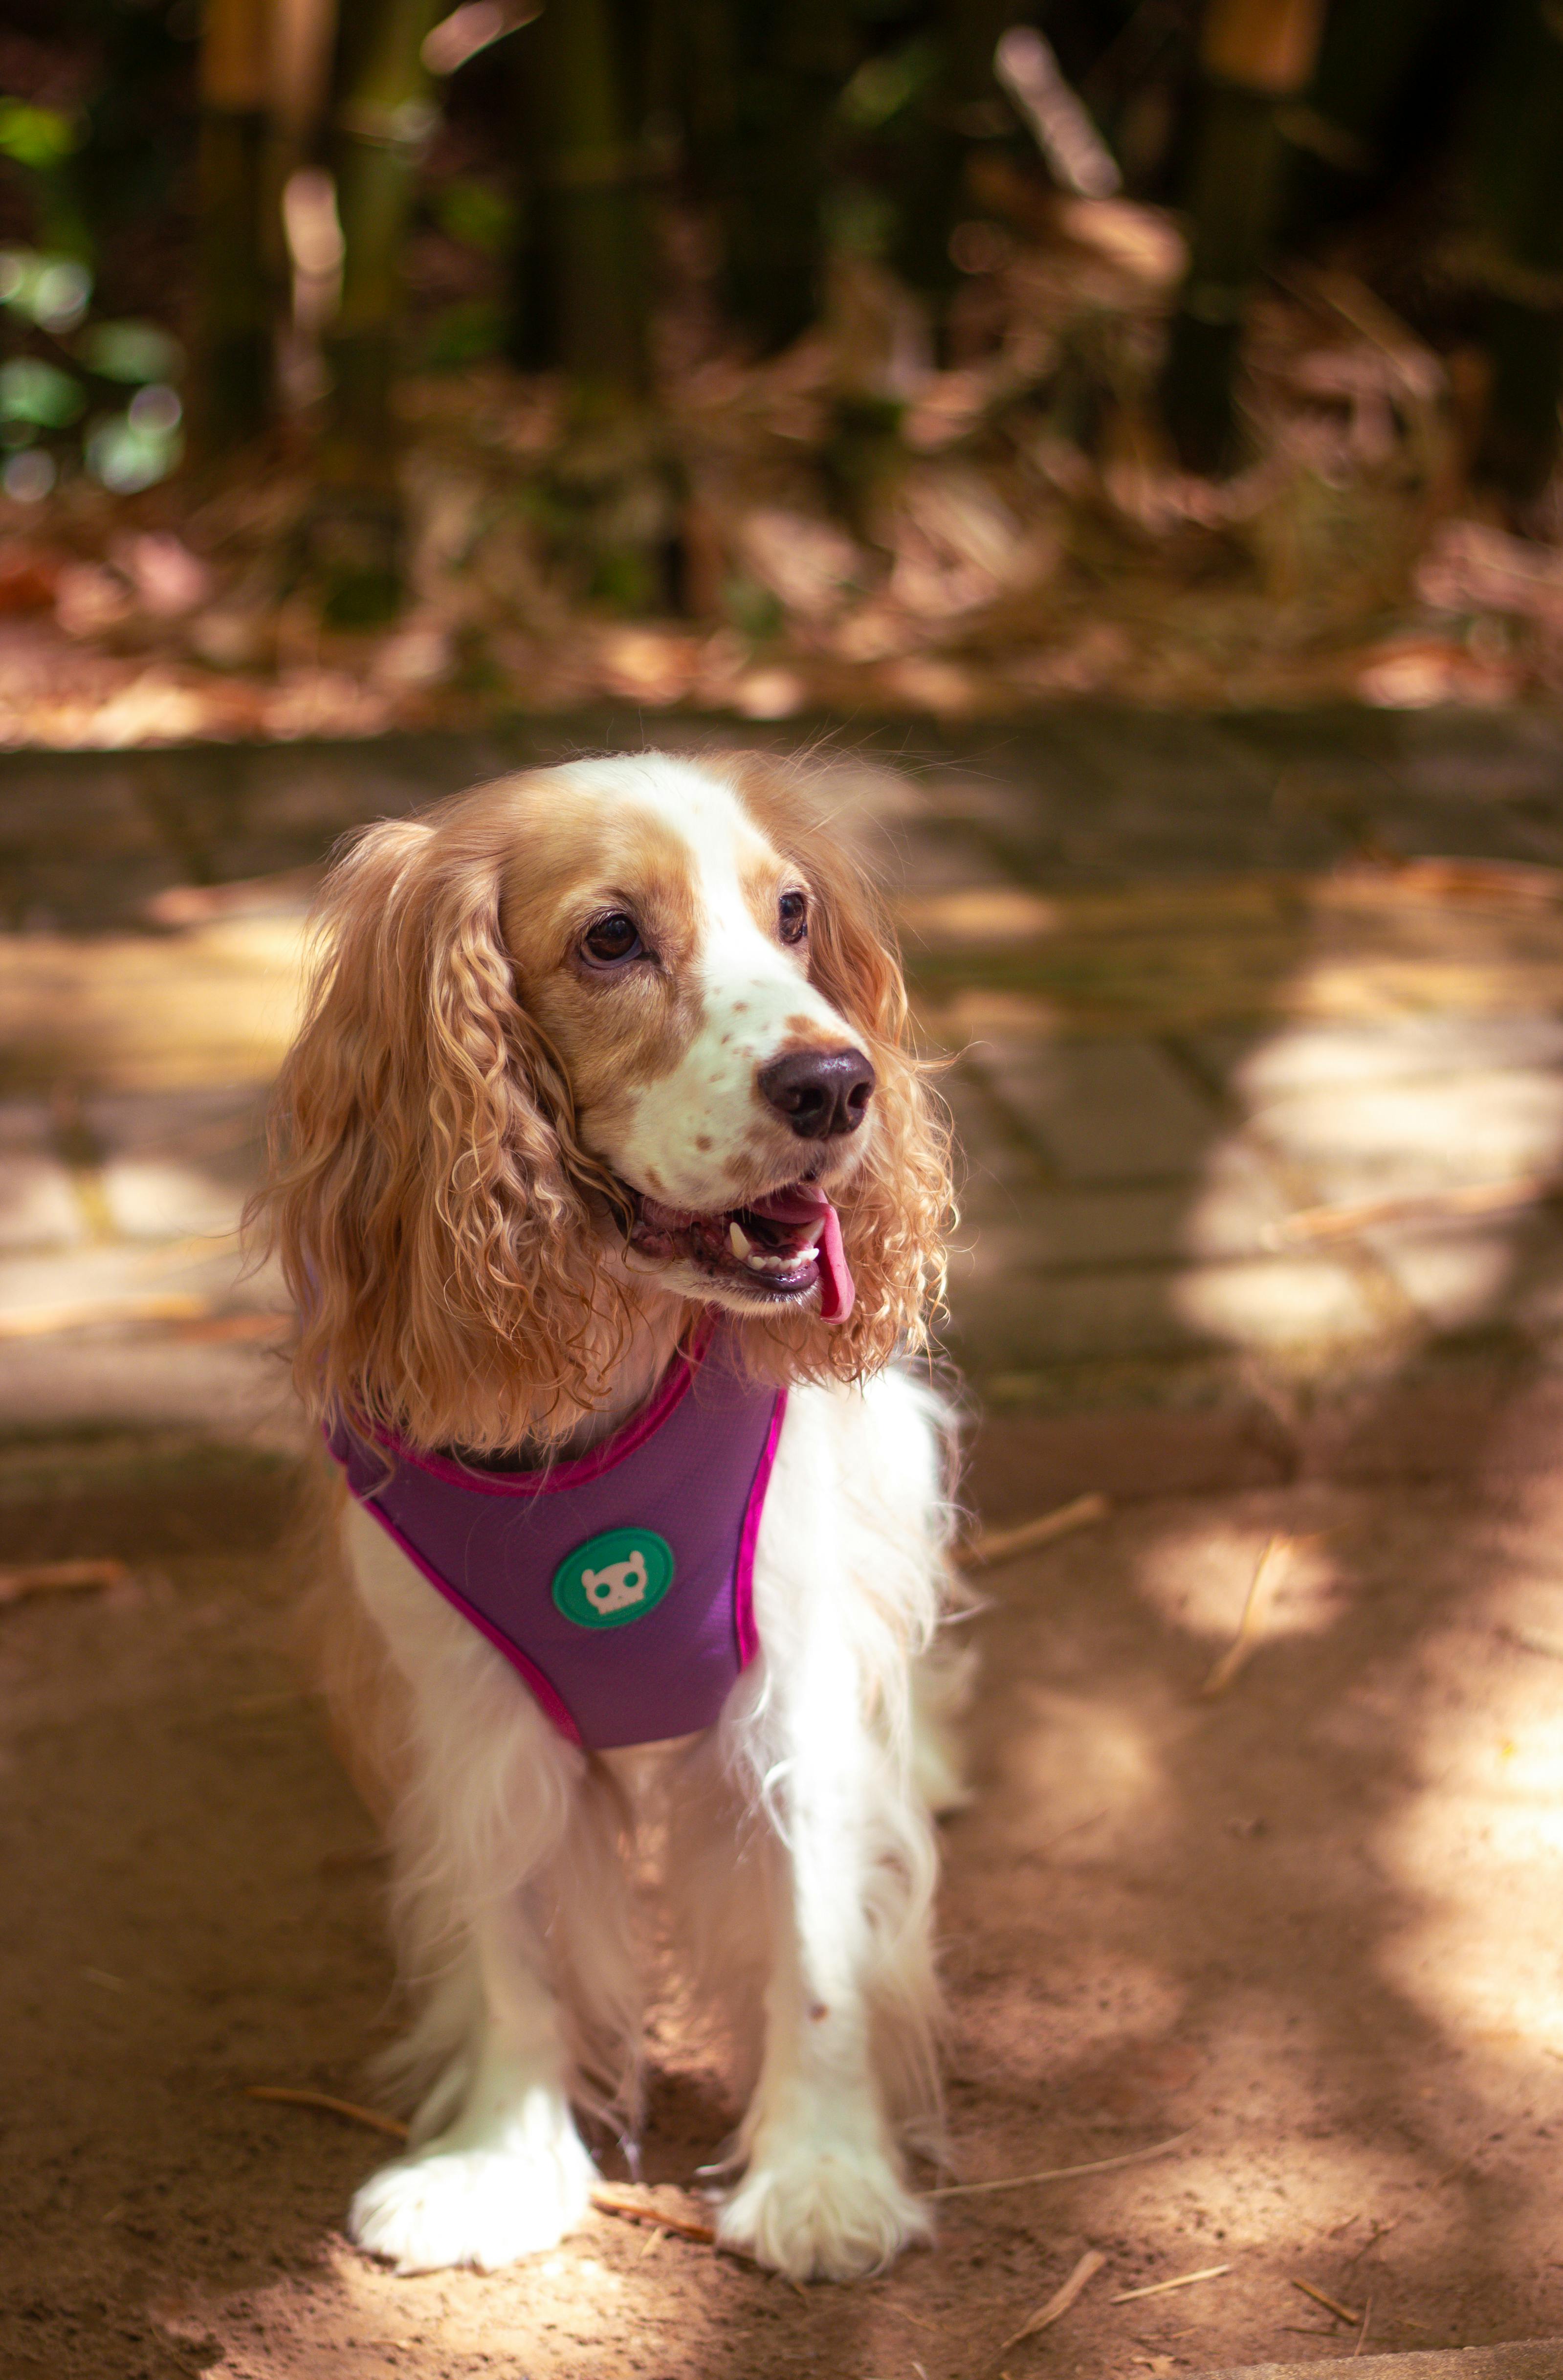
{"x":533,"y":1561}
{"x":743,"y":1601}
{"x":485,"y":1627}
{"x":580,"y":1470}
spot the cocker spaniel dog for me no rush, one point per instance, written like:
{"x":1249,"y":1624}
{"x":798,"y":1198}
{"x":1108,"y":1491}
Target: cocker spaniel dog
{"x":606,"y":1190}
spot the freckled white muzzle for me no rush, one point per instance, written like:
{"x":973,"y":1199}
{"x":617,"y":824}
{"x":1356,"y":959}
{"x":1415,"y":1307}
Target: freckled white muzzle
{"x":769,"y":1096}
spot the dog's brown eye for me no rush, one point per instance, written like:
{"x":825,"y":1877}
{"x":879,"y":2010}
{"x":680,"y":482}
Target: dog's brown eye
{"x":792,"y":913}
{"x":613,"y":940}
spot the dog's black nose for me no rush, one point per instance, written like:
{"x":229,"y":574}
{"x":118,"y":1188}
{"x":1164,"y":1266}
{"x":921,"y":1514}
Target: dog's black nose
{"x":821,"y":1093}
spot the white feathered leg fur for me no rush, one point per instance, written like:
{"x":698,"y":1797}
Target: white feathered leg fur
{"x":797,"y":1840}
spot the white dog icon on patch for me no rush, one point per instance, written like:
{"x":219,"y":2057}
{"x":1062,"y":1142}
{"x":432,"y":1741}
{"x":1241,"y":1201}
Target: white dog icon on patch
{"x":616,"y":1583}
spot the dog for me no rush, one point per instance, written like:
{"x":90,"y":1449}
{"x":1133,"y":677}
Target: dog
{"x":610,"y":1198}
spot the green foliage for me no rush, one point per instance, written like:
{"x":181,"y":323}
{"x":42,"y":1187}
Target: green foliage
{"x":38,"y":138}
{"x":136,"y":352}
{"x":133,"y":450}
{"x":886,"y":84}
{"x":753,"y":610}
{"x":35,"y":395}
{"x":43,"y":398}
{"x":463,"y":334}
{"x":476,"y":214}
{"x":51,"y":290}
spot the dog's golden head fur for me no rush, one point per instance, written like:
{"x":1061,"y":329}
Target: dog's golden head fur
{"x":538,"y":1016}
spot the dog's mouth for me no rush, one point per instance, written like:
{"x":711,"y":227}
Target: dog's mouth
{"x":787,"y":1245}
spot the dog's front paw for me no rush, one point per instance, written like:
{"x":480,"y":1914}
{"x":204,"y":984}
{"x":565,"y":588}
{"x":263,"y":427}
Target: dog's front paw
{"x":822,"y":2212}
{"x":481,"y":2206}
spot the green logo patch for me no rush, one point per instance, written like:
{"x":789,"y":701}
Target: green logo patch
{"x":614,"y":1578}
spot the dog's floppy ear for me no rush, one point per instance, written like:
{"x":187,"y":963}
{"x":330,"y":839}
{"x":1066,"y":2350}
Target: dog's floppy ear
{"x":428,"y":1201}
{"x":896,"y":1210}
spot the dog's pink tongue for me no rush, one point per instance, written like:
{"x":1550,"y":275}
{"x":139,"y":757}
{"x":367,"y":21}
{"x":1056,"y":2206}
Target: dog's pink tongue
{"x":838,"y":1292}
{"x":804,"y":1203}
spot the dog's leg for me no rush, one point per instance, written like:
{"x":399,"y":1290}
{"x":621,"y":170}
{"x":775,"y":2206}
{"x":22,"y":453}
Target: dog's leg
{"x":849,"y":1998}
{"x":509,"y":2175}
{"x":824,"y":2193}
{"x":486,"y":1799}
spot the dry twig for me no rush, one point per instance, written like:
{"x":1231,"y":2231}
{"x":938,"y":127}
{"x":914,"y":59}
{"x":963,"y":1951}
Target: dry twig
{"x":1090,"y":2263}
{"x":1313,"y":1224}
{"x":1381,"y":2230}
{"x":1330,"y":2305}
{"x":286,"y":2096}
{"x":606,"y":2202}
{"x":631,"y":2211}
{"x":1062,"y":2172}
{"x":85,"y":1313}
{"x":1161,"y":2289}
{"x":59,"y":1578}
{"x":1236,"y":1656}
{"x":1534,"y":1640}
{"x":1003,"y":1544}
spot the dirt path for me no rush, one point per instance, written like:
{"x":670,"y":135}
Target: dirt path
{"x":1313,"y":1923}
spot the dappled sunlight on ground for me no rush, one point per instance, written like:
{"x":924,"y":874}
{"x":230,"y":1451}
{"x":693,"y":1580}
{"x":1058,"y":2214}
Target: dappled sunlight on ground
{"x":1072,"y":1759}
{"x":1479,"y":1839}
{"x":1308,"y":1928}
{"x":1199,"y":1579}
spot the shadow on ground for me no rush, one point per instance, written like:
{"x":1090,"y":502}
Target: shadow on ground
{"x":1309,"y":1925}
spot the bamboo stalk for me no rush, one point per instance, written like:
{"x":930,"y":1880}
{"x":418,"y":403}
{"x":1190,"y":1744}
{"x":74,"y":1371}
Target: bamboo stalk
{"x":581,"y":272}
{"x":1519,"y":187}
{"x":1256,"y":56}
{"x":236,"y":301}
{"x":1519,"y":180}
{"x":966,"y":95}
{"x":790,"y":58}
{"x":381,"y":119}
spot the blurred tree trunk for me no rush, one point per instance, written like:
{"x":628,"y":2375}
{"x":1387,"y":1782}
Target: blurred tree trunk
{"x":967,"y":106}
{"x":791,"y":59}
{"x":1255,"y":57}
{"x":381,"y":120}
{"x":1370,"y":52}
{"x":1519,"y":165}
{"x":581,"y":285}
{"x":303,"y":36}
{"x":695,"y":69}
{"x":237,"y":295}
{"x":609,"y":501}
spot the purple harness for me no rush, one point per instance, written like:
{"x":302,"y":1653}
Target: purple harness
{"x":620,"y":1585}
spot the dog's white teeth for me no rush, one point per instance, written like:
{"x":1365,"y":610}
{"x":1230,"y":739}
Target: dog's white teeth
{"x":759,"y":1263}
{"x":739,"y":1242}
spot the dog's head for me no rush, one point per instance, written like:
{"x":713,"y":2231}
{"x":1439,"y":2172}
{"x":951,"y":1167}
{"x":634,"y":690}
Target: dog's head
{"x":630,"y":1026}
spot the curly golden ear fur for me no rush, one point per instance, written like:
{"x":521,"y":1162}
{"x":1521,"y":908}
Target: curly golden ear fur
{"x":428,"y":1201}
{"x":899,"y":1206}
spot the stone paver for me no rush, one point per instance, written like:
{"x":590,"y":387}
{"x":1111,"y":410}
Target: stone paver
{"x":39,"y":1207}
{"x":1537,"y":2358}
{"x":1103,"y":1112}
{"x":178,"y":1163}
